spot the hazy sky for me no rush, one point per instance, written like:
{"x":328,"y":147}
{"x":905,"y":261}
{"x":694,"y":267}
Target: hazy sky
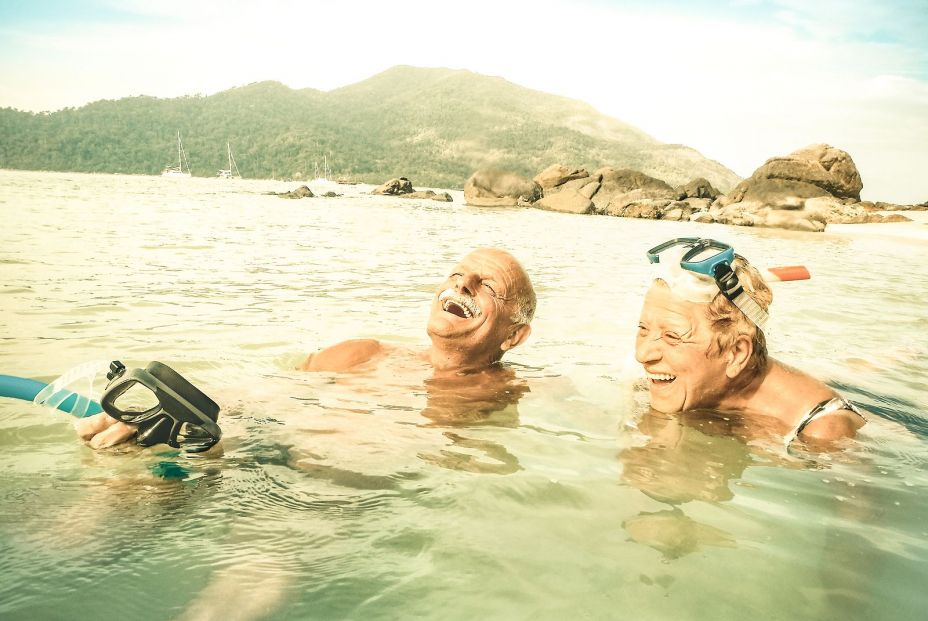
{"x":740,"y":81}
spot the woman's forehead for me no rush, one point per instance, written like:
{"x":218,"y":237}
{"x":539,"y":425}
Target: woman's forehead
{"x":661,"y":304}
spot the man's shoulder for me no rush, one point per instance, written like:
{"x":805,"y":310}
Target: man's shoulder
{"x":343,"y":356}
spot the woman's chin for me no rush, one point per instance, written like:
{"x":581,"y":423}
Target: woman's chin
{"x":664,"y":399}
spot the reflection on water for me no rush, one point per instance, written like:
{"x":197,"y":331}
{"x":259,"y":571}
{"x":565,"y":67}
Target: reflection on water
{"x":393,"y":492}
{"x":487,"y":397}
{"x":696,"y":456}
{"x":686,"y":457}
{"x":673,"y":533}
{"x":691,"y":456}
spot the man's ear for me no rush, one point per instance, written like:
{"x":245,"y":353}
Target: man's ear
{"x":738,"y":356}
{"x":517,"y":336}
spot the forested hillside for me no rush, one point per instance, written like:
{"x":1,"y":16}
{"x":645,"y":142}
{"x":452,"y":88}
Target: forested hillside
{"x":435,"y":126}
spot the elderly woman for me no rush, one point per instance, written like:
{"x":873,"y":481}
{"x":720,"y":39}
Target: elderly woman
{"x":701,"y":342}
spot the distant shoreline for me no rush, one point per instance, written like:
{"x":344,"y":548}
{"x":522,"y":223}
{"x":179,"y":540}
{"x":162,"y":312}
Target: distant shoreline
{"x":916,"y":230}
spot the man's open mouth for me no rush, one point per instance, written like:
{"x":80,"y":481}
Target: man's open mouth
{"x":660,"y":378}
{"x":455,"y":303}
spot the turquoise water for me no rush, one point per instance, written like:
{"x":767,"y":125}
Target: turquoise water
{"x":389,"y":495}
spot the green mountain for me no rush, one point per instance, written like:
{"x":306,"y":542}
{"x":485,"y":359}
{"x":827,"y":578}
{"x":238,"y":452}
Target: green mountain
{"x":435,"y":126}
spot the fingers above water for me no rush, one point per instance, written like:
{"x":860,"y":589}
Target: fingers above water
{"x":92,"y":425}
{"x":102,"y":430}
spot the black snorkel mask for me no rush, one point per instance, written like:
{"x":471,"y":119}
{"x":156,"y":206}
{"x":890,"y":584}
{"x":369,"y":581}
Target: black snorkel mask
{"x":182,"y":417}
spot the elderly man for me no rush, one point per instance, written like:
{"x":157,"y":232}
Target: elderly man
{"x":482,"y":310}
{"x":702,"y":344}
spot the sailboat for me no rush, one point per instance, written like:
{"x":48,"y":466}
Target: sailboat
{"x":232,"y":171}
{"x":182,"y":170}
{"x":324,"y":176}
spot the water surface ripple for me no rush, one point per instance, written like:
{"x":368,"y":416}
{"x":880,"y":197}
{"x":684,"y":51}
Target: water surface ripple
{"x":383,"y":496}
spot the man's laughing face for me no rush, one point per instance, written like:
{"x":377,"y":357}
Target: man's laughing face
{"x":474,"y":308}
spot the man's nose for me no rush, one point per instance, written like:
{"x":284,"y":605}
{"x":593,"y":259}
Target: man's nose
{"x":466,"y":284}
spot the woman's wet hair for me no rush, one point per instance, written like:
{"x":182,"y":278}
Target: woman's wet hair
{"x":728,"y":322}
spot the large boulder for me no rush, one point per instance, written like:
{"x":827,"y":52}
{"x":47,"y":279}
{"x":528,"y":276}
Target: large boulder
{"x":816,"y":170}
{"x":497,"y":188}
{"x":843,"y":179}
{"x":571,"y":195}
{"x":619,"y":188}
{"x":568,"y":201}
{"x":443,"y":197}
{"x":395,"y":187}
{"x":802,"y":191}
{"x":812,"y":215}
{"x":556,"y":175}
{"x":699,"y":188}
{"x":652,"y":209}
{"x":300,"y":192}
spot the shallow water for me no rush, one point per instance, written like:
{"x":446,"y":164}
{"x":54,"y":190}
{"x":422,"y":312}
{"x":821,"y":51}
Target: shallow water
{"x":386,"y":495}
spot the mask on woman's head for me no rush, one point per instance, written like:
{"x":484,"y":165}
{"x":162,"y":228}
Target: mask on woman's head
{"x":692,"y":287}
{"x":690,"y":262}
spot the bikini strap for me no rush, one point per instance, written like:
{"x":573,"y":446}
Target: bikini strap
{"x":826,"y":407}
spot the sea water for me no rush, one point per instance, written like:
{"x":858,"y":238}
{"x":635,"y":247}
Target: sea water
{"x":383,"y":495}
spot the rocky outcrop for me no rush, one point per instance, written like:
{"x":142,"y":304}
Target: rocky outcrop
{"x":803,"y":191}
{"x":754,"y":213}
{"x":567,"y":201}
{"x":628,"y":191}
{"x":301,"y":192}
{"x":699,"y":188}
{"x":556,"y":175}
{"x":838,"y":212}
{"x":495,"y":188}
{"x":811,"y":214}
{"x":402,"y":187}
{"x":816,"y":170}
{"x":567,"y":190}
{"x":881,"y":206}
{"x":429,"y":194}
{"x":395,"y":187}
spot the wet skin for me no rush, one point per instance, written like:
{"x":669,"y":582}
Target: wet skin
{"x":470,"y":320}
{"x":470,"y":326}
{"x":673,"y":339}
{"x":674,"y":347}
{"x":488,"y":281}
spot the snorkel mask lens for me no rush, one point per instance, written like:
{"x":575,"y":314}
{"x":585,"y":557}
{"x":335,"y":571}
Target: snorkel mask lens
{"x":702,"y":257}
{"x":712,"y":258}
{"x":167,"y":408}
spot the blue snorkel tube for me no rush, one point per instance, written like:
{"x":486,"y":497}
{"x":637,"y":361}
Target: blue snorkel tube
{"x":177,"y":413}
{"x":27,"y":390}
{"x":72,"y":393}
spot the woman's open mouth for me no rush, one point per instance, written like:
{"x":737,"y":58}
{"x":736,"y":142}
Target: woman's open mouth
{"x":462,"y":306}
{"x":661,"y":379}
